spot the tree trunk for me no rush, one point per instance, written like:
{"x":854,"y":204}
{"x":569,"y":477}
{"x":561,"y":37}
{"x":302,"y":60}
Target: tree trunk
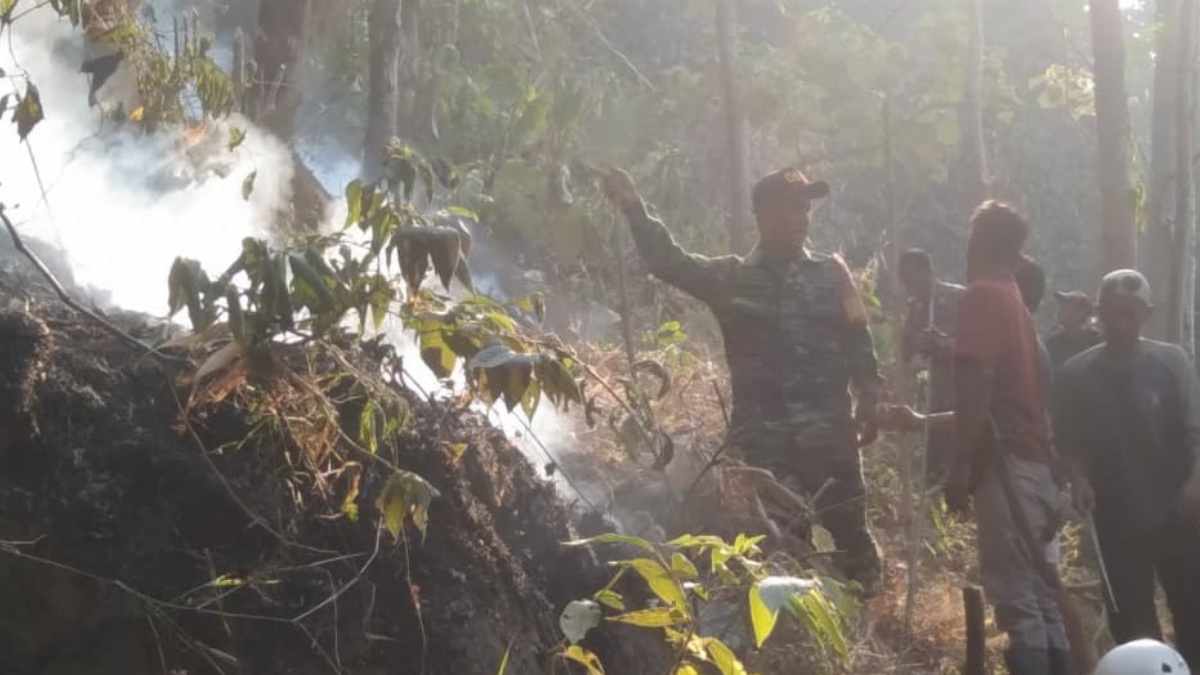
{"x":279,"y":50}
{"x":972,"y":146}
{"x":1158,"y":239}
{"x":735,"y":128}
{"x":383,"y":100}
{"x":1179,"y":314}
{"x":1119,"y":246}
{"x":410,"y":70}
{"x":279,"y":53}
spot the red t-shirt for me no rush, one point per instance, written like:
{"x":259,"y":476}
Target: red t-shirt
{"x":996,"y":331}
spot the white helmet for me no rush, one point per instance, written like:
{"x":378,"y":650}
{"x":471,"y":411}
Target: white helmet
{"x":1142,"y":657}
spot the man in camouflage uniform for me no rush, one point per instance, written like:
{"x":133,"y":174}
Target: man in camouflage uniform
{"x":796,"y":336}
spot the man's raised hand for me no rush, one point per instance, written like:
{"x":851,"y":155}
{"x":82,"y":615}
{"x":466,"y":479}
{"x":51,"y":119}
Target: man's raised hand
{"x":620,"y":190}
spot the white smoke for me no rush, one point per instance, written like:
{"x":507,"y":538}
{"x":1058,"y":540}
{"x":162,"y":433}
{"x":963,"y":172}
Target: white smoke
{"x":124,"y":204}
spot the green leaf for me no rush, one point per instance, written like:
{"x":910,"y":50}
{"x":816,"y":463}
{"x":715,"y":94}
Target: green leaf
{"x":822,"y":539}
{"x":531,"y":399}
{"x":463,"y":213}
{"x":683,"y":567}
{"x":660,"y":581}
{"x":579,"y":617}
{"x":504,"y":661}
{"x":744,"y":545}
{"x":248,"y":185}
{"x":406,"y":495}
{"x":611,"y":599}
{"x":762,"y":619}
{"x":366,"y":427}
{"x":436,"y":353}
{"x":456,"y":450}
{"x":533,"y":117}
{"x":354,"y":202}
{"x":822,"y":619}
{"x":612,"y":538}
{"x":381,"y":298}
{"x":236,"y":137}
{"x":29,"y":111}
{"x":659,"y":617}
{"x":723,"y":658}
{"x":585,"y":658}
{"x":401,"y":167}
{"x":6,"y":10}
{"x":445,"y":249}
{"x":518,"y":375}
{"x":303,"y":273}
{"x":686,"y":669}
{"x":697,"y":541}
{"x":228,"y":581}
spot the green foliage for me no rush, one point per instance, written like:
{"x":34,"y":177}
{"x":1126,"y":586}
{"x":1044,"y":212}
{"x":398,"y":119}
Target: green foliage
{"x":680,"y":588}
{"x":6,"y":11}
{"x":29,"y":111}
{"x":406,"y":496}
{"x":236,"y":138}
{"x":1066,"y":87}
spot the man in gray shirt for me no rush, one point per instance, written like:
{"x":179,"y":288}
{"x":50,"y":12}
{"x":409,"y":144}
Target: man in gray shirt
{"x":1127,"y":417}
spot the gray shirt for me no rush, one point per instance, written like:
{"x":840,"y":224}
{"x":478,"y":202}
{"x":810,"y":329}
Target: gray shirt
{"x":1133,"y":423}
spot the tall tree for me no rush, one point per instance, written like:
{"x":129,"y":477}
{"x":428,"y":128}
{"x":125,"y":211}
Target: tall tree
{"x":973,"y":148}
{"x":1167,"y":201}
{"x":1180,"y":300}
{"x":1119,"y":231}
{"x":279,"y":50}
{"x":383,"y":101}
{"x":735,"y":127}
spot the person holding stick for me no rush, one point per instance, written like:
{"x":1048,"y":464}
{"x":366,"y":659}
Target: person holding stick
{"x":1127,"y":415}
{"x":1004,"y":445}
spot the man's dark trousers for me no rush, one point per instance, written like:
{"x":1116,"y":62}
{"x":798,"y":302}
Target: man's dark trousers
{"x":1133,"y":556}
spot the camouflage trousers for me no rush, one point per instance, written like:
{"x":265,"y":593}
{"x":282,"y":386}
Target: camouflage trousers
{"x":833,"y":472}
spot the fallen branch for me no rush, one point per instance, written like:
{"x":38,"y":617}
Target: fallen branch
{"x":67,"y":300}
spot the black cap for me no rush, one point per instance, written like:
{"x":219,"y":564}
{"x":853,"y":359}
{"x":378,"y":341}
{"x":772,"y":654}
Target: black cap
{"x":789,"y":186}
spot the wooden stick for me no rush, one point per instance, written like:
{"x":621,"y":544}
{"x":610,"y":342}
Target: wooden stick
{"x":976,"y":663}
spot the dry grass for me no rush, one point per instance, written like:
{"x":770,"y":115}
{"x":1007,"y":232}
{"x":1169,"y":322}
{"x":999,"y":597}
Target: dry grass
{"x":692,"y":413}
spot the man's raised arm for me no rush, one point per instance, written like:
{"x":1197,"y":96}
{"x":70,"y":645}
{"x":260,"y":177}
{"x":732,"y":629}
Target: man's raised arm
{"x":707,"y":279}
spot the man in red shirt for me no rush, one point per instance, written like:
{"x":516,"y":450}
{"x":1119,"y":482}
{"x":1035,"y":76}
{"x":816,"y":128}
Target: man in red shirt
{"x":1003,"y":434}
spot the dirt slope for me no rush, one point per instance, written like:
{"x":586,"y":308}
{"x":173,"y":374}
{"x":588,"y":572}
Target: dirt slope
{"x":113,"y":529}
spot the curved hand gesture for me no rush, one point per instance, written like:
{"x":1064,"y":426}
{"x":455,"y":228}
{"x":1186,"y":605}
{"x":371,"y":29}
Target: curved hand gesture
{"x":619,"y":189}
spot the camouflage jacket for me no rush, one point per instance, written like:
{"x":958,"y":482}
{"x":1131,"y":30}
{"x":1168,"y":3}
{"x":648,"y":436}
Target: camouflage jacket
{"x":795,"y":330}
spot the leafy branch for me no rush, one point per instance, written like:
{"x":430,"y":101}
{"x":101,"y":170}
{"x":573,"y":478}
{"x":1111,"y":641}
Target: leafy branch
{"x":689,"y":571}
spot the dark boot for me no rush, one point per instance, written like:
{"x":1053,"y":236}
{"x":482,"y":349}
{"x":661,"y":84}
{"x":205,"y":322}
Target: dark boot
{"x":1060,"y":662}
{"x":1026,"y":661}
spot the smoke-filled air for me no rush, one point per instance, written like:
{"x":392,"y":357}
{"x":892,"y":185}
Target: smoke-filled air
{"x":638,"y":337}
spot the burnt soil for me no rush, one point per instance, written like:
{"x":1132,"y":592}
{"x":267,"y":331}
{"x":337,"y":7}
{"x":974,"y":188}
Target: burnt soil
{"x":114,"y":530}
